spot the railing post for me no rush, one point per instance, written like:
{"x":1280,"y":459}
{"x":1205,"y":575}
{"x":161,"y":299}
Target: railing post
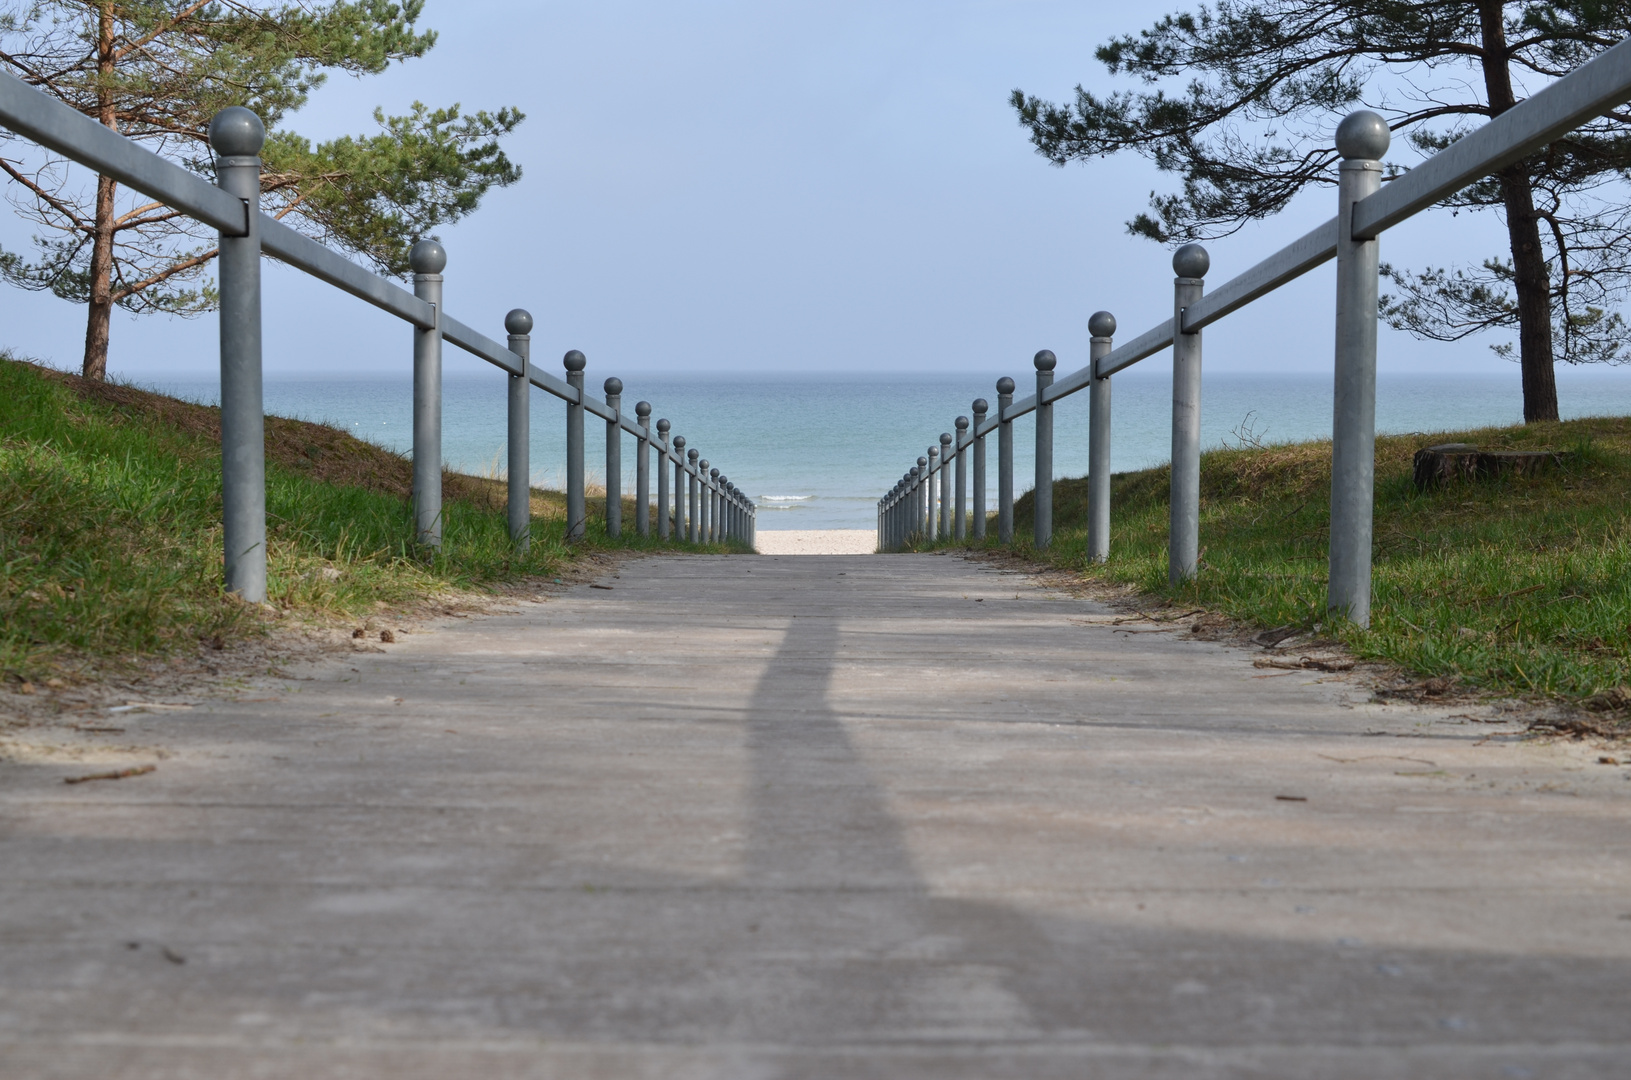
{"x":574,"y":362}
{"x":236,"y":136}
{"x":663,"y":428}
{"x":960,"y":503}
{"x":691,"y":489}
{"x":614,"y":458}
{"x":428,"y":259}
{"x":980,"y":409}
{"x":679,"y":487}
{"x":1190,"y":263}
{"x":642,"y":470}
{"x":1362,"y":139}
{"x":933,"y":529}
{"x":1005,"y":462}
{"x":518,"y":324}
{"x":945,"y":485}
{"x":1102,"y":325}
{"x":705,"y":495}
{"x":920,"y":499}
{"x":1042,"y":501}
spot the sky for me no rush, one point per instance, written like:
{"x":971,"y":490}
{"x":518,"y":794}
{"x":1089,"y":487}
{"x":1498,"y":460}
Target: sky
{"x":779,"y":189}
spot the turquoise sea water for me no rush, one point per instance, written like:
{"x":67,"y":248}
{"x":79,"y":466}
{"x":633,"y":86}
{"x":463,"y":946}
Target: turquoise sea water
{"x":817,"y":452}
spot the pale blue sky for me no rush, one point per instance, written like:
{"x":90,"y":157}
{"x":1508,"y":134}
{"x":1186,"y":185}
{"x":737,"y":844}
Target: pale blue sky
{"x":779,"y":187}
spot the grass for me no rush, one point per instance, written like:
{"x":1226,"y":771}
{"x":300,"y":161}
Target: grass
{"x":110,"y":534}
{"x":1517,"y":584}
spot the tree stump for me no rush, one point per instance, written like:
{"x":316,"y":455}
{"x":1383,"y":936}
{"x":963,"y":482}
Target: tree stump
{"x":1436,"y":466}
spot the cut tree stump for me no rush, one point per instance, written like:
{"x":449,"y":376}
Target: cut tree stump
{"x":1450,"y":463}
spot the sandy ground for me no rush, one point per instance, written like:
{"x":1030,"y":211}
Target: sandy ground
{"x":817,"y":542}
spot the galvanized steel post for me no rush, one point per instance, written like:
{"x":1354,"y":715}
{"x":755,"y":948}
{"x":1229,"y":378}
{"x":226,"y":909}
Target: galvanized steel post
{"x":1042,"y":500}
{"x":920,"y":500}
{"x":1005,"y":462}
{"x":980,"y":408}
{"x":576,"y":513}
{"x":945,"y":485}
{"x":1190,"y":263}
{"x":702,"y":500}
{"x":642,"y":470}
{"x":933,"y":530}
{"x":614,"y":458}
{"x":518,"y":324}
{"x":679,"y":487}
{"x":960,"y":503}
{"x":1102,"y":325}
{"x":428,"y":259}
{"x":709,"y":521}
{"x":663,"y":428}
{"x":236,"y":136}
{"x":1362,"y":139}
{"x":691,"y":487}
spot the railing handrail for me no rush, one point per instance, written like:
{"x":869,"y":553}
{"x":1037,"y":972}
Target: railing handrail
{"x":1369,"y":208}
{"x":60,"y":128}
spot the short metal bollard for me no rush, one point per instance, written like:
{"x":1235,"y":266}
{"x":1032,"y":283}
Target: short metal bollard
{"x":576,"y":512}
{"x":428,"y":259}
{"x":642,"y":470}
{"x":518,"y":324}
{"x":1005,"y":462}
{"x":614,"y":459}
{"x":237,"y":135}
{"x":1190,"y":263}
{"x":1102,"y":325}
{"x":980,"y":409}
{"x":1362,"y":139}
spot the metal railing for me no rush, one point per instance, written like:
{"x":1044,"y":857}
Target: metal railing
{"x":706,"y":506}
{"x":927,"y":502}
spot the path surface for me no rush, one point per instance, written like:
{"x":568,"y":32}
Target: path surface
{"x":900,"y":816}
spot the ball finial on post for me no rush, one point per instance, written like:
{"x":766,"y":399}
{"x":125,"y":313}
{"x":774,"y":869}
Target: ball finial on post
{"x":691,"y":456}
{"x":427,"y":257}
{"x":664,"y":427}
{"x":642,"y":409}
{"x":1191,"y":261}
{"x":1005,"y":385}
{"x":574,"y":361}
{"x":613,"y":385}
{"x":1363,"y":136}
{"x":237,"y":132}
{"x":1102,"y":324}
{"x":961,"y":423}
{"x":922,"y":463}
{"x":679,"y":440}
{"x":981,"y":406}
{"x":1045,"y":360}
{"x":518,"y":322}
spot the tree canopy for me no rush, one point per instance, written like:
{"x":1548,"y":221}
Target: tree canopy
{"x":156,"y":71}
{"x":1240,"y":99}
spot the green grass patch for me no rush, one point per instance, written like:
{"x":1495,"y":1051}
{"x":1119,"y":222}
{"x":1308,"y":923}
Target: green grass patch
{"x":110,"y":526}
{"x":1514,"y":584}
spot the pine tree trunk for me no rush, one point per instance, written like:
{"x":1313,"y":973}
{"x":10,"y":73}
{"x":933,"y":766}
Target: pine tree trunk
{"x":1533,"y":285}
{"x":1530,"y":278}
{"x":99,"y":318}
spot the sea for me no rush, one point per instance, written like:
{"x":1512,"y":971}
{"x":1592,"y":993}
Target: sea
{"x":818,"y":451}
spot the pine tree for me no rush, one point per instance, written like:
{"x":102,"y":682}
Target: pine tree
{"x":156,"y":71}
{"x":1251,"y":125}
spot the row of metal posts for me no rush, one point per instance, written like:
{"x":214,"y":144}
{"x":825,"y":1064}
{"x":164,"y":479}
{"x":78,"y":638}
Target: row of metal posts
{"x":919,"y":506}
{"x":237,"y":136}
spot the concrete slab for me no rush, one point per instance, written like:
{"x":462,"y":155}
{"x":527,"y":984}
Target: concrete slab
{"x":789,"y":817}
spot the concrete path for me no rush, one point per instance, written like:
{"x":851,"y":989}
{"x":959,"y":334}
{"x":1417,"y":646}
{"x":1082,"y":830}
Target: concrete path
{"x":900,"y":816}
